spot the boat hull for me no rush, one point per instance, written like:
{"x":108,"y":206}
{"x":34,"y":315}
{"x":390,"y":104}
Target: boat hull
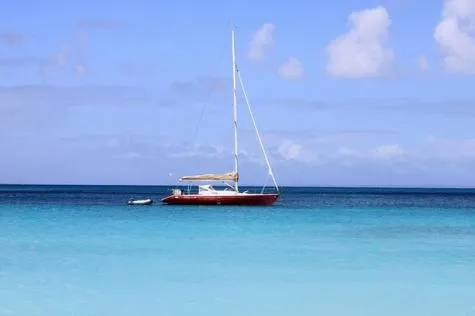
{"x":239,"y":199}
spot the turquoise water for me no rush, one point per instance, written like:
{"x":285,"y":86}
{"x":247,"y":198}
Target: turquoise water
{"x":69,"y":250}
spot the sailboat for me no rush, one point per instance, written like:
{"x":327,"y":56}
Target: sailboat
{"x":230,"y":195}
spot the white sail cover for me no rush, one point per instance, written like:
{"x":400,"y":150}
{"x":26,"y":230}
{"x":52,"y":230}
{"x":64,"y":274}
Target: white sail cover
{"x":230,"y":176}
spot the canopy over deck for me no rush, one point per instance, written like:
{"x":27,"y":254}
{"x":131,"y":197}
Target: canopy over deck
{"x":230,"y":176}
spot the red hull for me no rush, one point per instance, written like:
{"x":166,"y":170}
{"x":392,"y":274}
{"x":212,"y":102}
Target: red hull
{"x":244,"y":199}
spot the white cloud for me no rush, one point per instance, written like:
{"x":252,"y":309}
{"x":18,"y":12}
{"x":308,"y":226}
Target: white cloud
{"x":362,"y":51}
{"x":345,"y":151}
{"x":262,"y":41}
{"x":386,"y":152}
{"x":450,"y":150}
{"x":198,"y":150}
{"x":351,"y":156}
{"x":455,"y":35}
{"x":423,"y":63}
{"x":452,"y":154}
{"x":289,"y":149}
{"x":291,"y":69}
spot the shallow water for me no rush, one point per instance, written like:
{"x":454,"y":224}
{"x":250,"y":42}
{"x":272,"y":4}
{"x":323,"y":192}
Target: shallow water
{"x":69,"y":250}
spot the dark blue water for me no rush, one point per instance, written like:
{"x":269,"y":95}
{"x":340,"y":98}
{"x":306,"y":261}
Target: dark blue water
{"x":80,"y":250}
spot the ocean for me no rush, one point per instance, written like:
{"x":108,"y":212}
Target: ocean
{"x":80,"y":250}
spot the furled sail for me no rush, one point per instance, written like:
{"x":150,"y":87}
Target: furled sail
{"x":230,"y":176}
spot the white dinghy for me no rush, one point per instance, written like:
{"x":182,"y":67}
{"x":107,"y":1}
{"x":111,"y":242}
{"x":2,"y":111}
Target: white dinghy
{"x":140,"y":202}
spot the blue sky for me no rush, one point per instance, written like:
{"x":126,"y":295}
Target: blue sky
{"x":348,"y":93}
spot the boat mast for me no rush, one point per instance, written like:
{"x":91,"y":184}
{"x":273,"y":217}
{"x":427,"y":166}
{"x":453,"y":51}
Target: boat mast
{"x":235,"y":111}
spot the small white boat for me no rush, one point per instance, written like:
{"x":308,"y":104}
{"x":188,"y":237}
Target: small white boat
{"x":140,"y":202}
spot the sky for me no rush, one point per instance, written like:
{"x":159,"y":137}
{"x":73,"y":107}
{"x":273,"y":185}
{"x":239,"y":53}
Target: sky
{"x":348,"y":93}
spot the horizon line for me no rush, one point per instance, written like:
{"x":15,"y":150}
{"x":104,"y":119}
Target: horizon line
{"x":354,"y":186}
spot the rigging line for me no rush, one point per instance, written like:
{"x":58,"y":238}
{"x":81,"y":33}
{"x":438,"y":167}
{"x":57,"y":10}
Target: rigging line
{"x":265,"y":184}
{"x":271,"y":173}
{"x":203,"y":108}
